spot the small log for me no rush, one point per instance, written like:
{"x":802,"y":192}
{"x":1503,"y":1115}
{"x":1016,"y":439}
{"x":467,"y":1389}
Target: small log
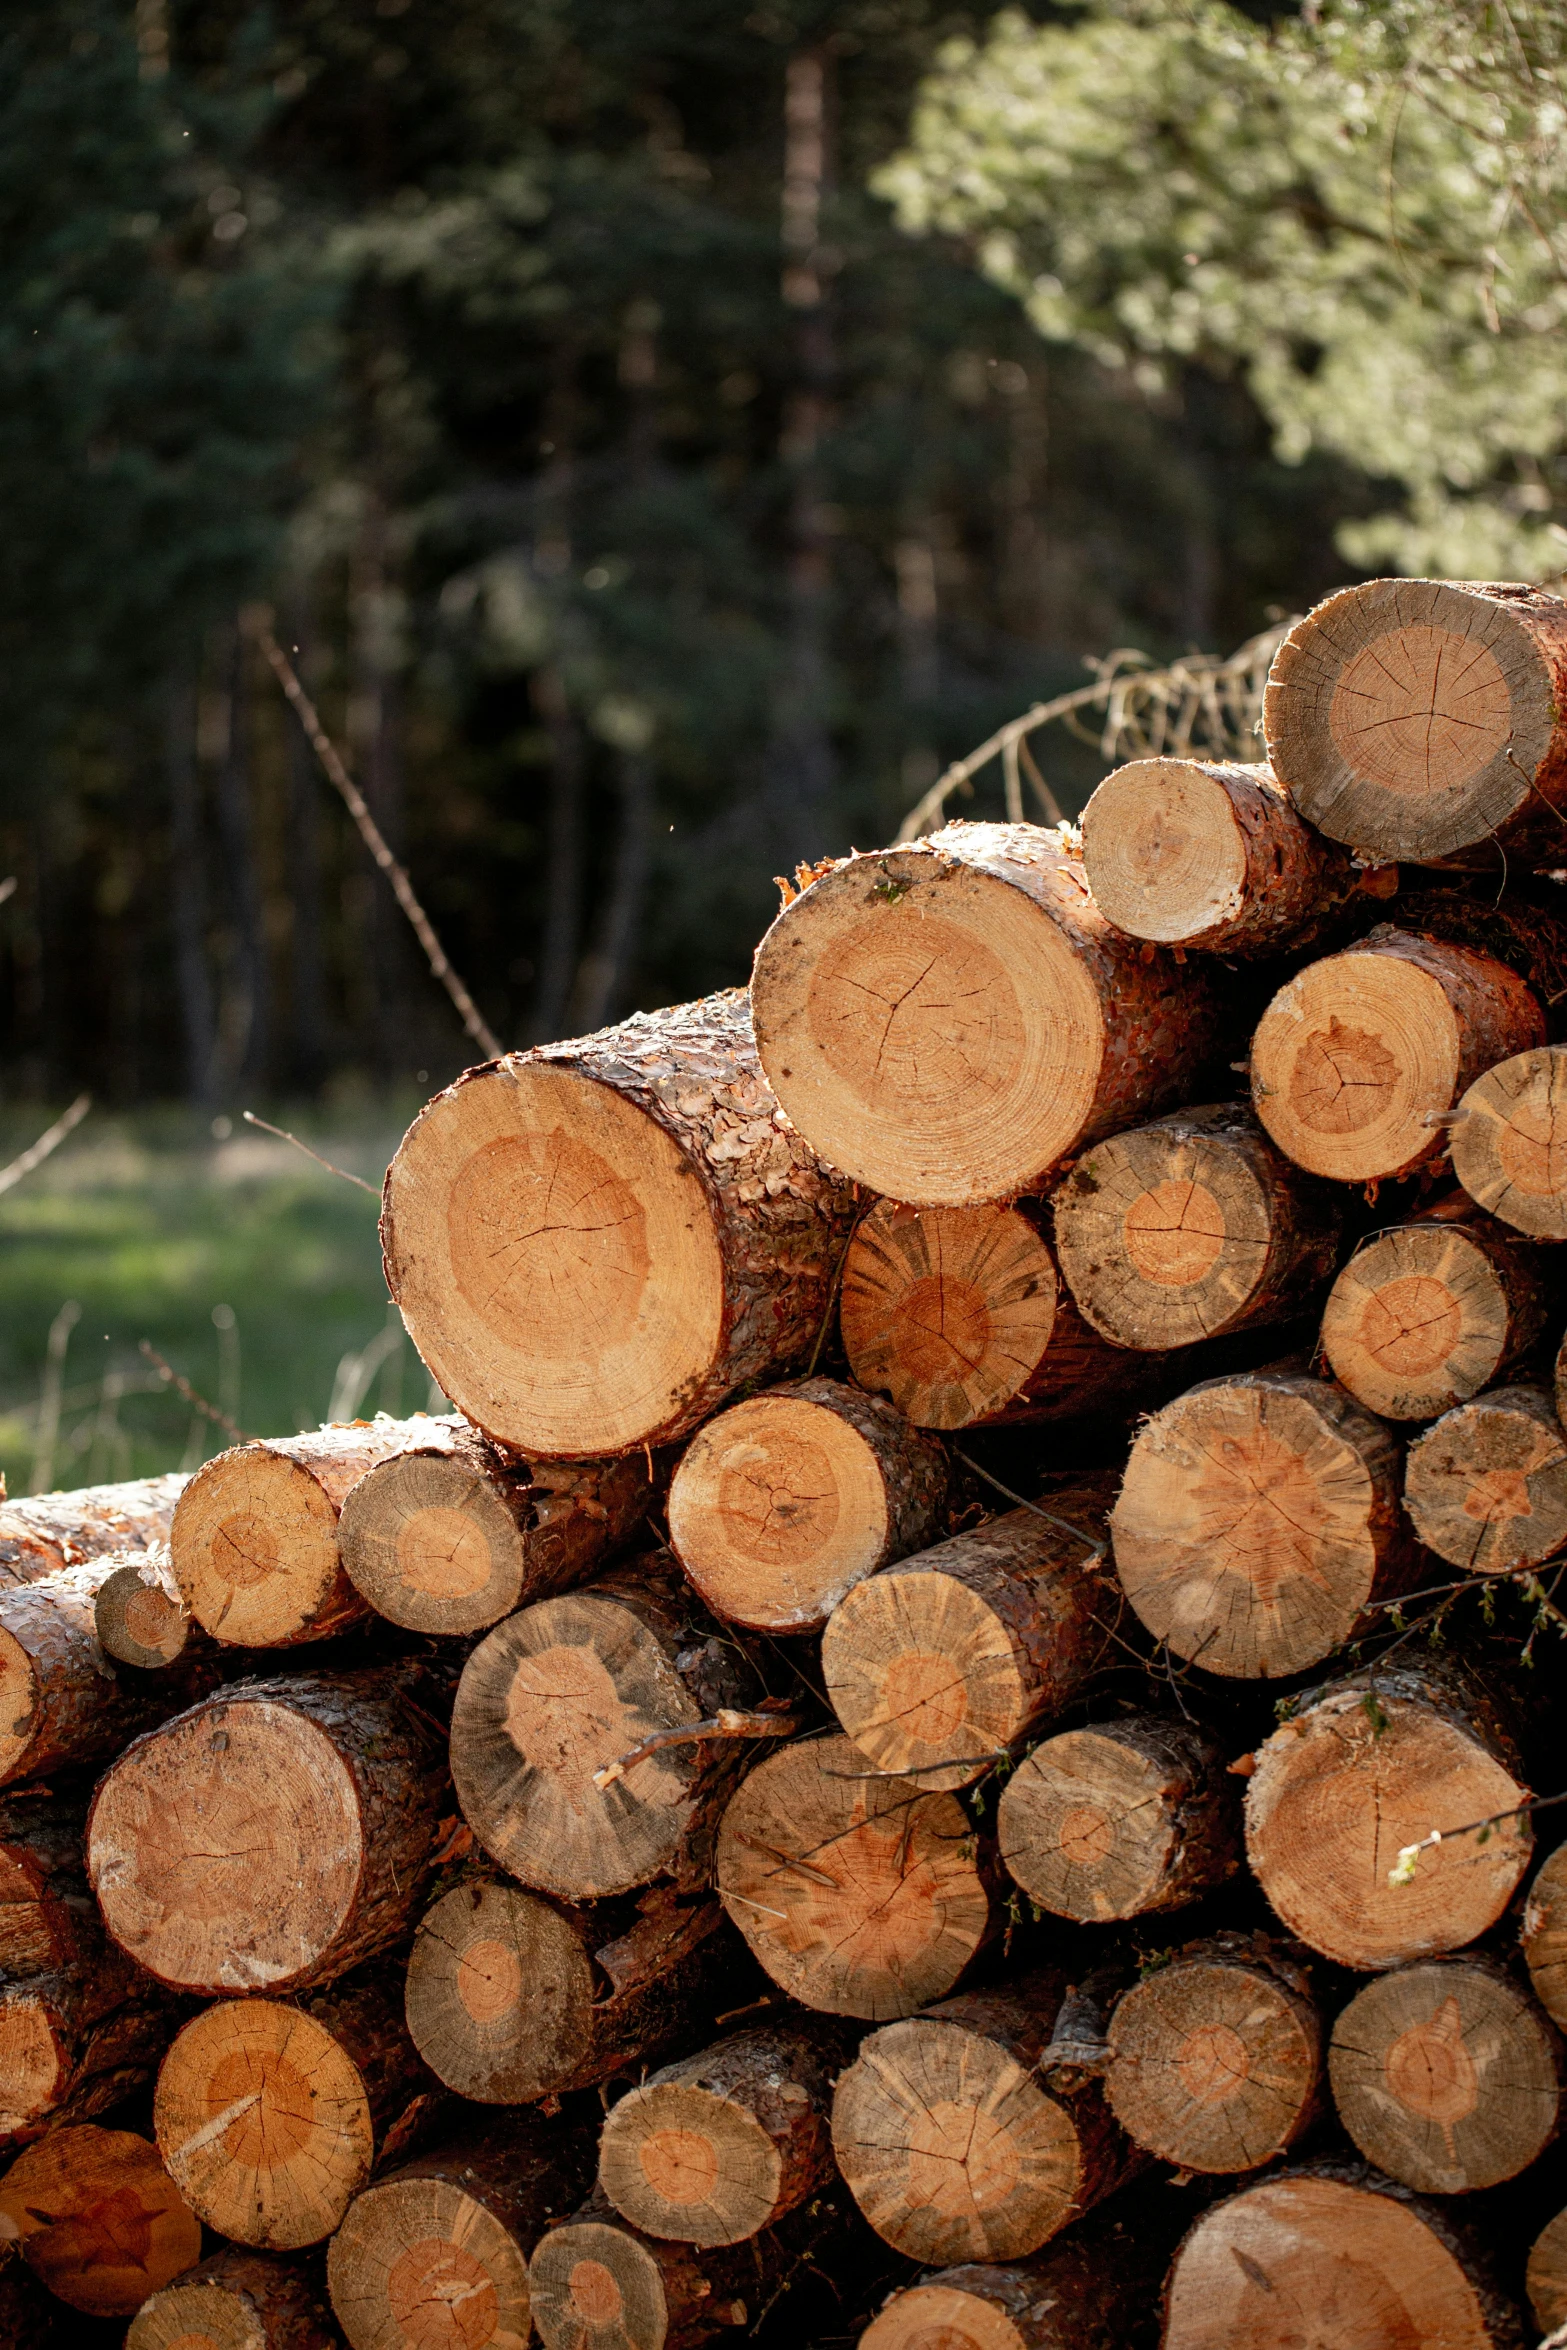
{"x":74,"y":2043}
{"x":48,"y":1918}
{"x":860,"y":1894}
{"x":596,"y":1244}
{"x":1447,"y":2075}
{"x":62,"y":1703}
{"x":1417,"y":722}
{"x":950,"y":1021}
{"x":437,"y":2251}
{"x":1190,"y":1227}
{"x":43,"y":1532}
{"x":272,"y":1837}
{"x":1364,"y":1769}
{"x":719,"y":2145}
{"x":561,"y":1690}
{"x":1486,"y":1486}
{"x":940,"y":1666}
{"x":1076,"y":2295}
{"x":1259,"y":1522}
{"x":1546,"y":2280}
{"x":1216,"y":2058}
{"x":785,"y":1502}
{"x":236,"y":2301}
{"x":254,"y":1545}
{"x":1544,"y":1936}
{"x":139,"y":1617}
{"x":1427,"y":1314}
{"x":98,"y":2219}
{"x":448,"y":1536}
{"x":1360,"y":1058}
{"x":953,"y":2140}
{"x":1122,"y":1819}
{"x":270,"y":2113}
{"x":1509,"y":1142}
{"x":511,"y":1997}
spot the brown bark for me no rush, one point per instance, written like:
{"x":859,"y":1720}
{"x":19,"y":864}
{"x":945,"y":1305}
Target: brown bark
{"x":1509,"y":1142}
{"x":236,"y":2301}
{"x":512,"y":1997}
{"x":1547,"y":2275}
{"x":1486,"y":1486}
{"x":27,"y":2314}
{"x":951,"y":1021}
{"x":1360,"y":1771}
{"x":529,"y":1204}
{"x":98,"y":2219}
{"x":1545,"y":1935}
{"x":139,"y":1616}
{"x":62,"y":1703}
{"x":1075,"y":2296}
{"x":272,"y":1837}
{"x":1259,"y":1522}
{"x":941,"y":1665}
{"x":43,"y":1532}
{"x":1121,"y":1819}
{"x":1359,"y":1060}
{"x":47,"y":1915}
{"x":76,"y":2041}
{"x":784,"y":1503}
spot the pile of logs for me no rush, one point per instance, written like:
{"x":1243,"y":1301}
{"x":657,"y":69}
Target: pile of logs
{"x":950,"y":1745}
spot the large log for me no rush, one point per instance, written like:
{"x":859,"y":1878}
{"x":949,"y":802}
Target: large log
{"x":42,"y":1532}
{"x":1259,"y":1522}
{"x":1364,"y":1769}
{"x":1216,"y":2058}
{"x":941,"y":1665}
{"x":236,"y":2301}
{"x":1190,"y":1227}
{"x":448,"y":1536}
{"x":719,"y":2145}
{"x":1547,"y":2275}
{"x":1074,"y":2296}
{"x":951,"y":1021}
{"x":1509,"y":1142}
{"x":781,"y":1504}
{"x":1447,"y":2075}
{"x":435,"y":2254}
{"x":76,"y":2041}
{"x":1418,"y":721}
{"x":1360,"y":1058}
{"x":1544,"y":1936}
{"x":512,"y":1997}
{"x":269,"y":2114}
{"x":596,"y":1244}
{"x":955,"y":2143}
{"x":62,"y":1704}
{"x":98,"y":2219}
{"x":272,"y":1837}
{"x":1486,"y":1486}
{"x":860,"y":1894}
{"x":1120,"y":1819}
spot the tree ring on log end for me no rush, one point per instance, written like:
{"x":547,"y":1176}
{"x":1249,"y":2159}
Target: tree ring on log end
{"x":595,"y":2283}
{"x":1350,"y":1062}
{"x":1545,"y":1935}
{"x":1486,"y":1484}
{"x":418,"y":2264}
{"x":949,"y":1311}
{"x":255,"y":1547}
{"x":499,"y":1989}
{"x":1547,"y":2275}
{"x":665,"y":2149}
{"x":1510,"y":1142}
{"x":429,"y":1543}
{"x":1417,"y":1321}
{"x":921,"y":1671}
{"x":18,"y":1701}
{"x":1084,"y":1827}
{"x":941,"y":2317}
{"x":1214,"y":2063}
{"x":138,"y":1623}
{"x":206,"y":2316}
{"x":1165,"y":852}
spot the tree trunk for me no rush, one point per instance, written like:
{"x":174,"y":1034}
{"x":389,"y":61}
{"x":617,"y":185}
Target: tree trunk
{"x":236,"y":2301}
{"x":1358,"y":1061}
{"x":860,"y":1894}
{"x":1259,"y":1522}
{"x":1357,"y":2261}
{"x":188,"y":890}
{"x":1510,"y":1142}
{"x":1212,"y":856}
{"x":960,"y":1315}
{"x":312,"y":1026}
{"x":270,"y":2115}
{"x":955,"y":2144}
{"x":98,"y":2219}
{"x":47,"y":1531}
{"x":528,"y":1204}
{"x":252,"y":1028}
{"x":1078,"y":2295}
{"x":1216,"y":2058}
{"x":139,"y":1620}
{"x":1121,"y":1819}
{"x":255,"y":1544}
{"x":62,"y":1703}
{"x":1426,"y":1315}
{"x":565,"y":1689}
{"x":1544,"y":1935}
{"x":452,"y":2233}
{"x":1446,"y":2075}
{"x":605,"y":973}
{"x":938,"y":1667}
{"x":563,"y":881}
{"x":447,"y":1536}
{"x":511,"y":1997}
{"x":784,"y":1503}
{"x":1195,"y":1225}
{"x":951,"y":1021}
{"x":1486,"y":1487}
{"x":271,"y":1838}
{"x":719,"y":2145}
{"x":75,"y":2042}
{"x":1361,"y":1771}
{"x":1547,"y":2275}
{"x":1418,"y":721}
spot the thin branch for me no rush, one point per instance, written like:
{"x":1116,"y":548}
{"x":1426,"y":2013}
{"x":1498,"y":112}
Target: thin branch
{"x":209,"y":1411}
{"x":50,"y":1139}
{"x":1403,"y":1871}
{"x":7,"y":888}
{"x":283,"y":1135}
{"x":1095,"y":1549}
{"x":728,"y":1722}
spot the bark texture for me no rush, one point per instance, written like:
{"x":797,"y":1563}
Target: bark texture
{"x":236,"y":2301}
{"x":1075,"y":2296}
{"x":47,"y":1531}
{"x":62,"y":1703}
{"x":1120,"y":1819}
{"x":76,"y":2041}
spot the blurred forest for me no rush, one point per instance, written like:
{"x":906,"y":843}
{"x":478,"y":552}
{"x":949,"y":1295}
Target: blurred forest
{"x":647,"y":509}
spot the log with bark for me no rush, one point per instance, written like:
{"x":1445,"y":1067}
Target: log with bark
{"x":139,"y":1616}
{"x":1547,"y":2275}
{"x":1076,"y":2295}
{"x":1190,"y":1227}
{"x":950,"y":1021}
{"x":941,"y":1665}
{"x":860,"y":1893}
{"x":596,"y":1244}
{"x":1544,"y":1936}
{"x":1418,"y":720}
{"x":1486,"y":1486}
{"x":48,"y":1918}
{"x":43,"y":1532}
{"x":271,"y":1838}
{"x":76,"y":2041}
{"x":1259,"y":1523}
{"x":236,"y":2301}
{"x":62,"y":1703}
{"x":1121,"y":1819}
{"x":1509,"y":1142}
{"x":98,"y":2219}
{"x":782,"y":1503}
{"x":1447,"y":2075}
{"x":1360,"y":1059}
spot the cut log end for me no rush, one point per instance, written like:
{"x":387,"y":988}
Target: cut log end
{"x":1509,"y":1141}
{"x":235,"y":2301}
{"x":98,"y":2219}
{"x":138,"y":1622}
{"x":500,"y":1992}
{"x":593,"y":2282}
{"x":944,"y":2316}
{"x":1427,"y":1315}
{"x":1121,"y":1819}
{"x":1547,"y":2275}
{"x":1486,"y":1487}
{"x":1545,"y":1935}
{"x":429,"y":1543}
{"x":422,"y":2259}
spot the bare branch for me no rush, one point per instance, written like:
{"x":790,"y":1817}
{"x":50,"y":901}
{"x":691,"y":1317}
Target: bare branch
{"x":283,"y":1135}
{"x":50,"y":1139}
